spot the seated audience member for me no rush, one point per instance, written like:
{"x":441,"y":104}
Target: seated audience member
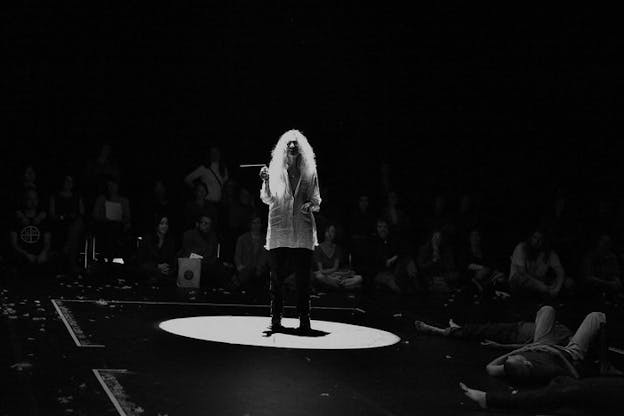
{"x":533,"y":263}
{"x":476,"y":266}
{"x":600,"y":269}
{"x":392,"y":268}
{"x":200,"y":206}
{"x":157,"y":253}
{"x":26,"y":181}
{"x":157,"y":205}
{"x":397,"y":218}
{"x":111,"y":213}
{"x":328,"y":257}
{"x":563,"y":228}
{"x":329,"y":211}
{"x":590,"y":394}
{"x":362,"y":219}
{"x":30,"y":237}
{"x":439,"y":218}
{"x":362,"y":235}
{"x":29,"y":178}
{"x":251,"y":258}
{"x":160,"y":198}
{"x":238,"y":207}
{"x":436,"y":264}
{"x":202,"y":241}
{"x":602,"y":213}
{"x":468,"y":216}
{"x":213,"y":173}
{"x":505,"y":334}
{"x":97,"y":172}
{"x":66,"y":215}
{"x":386,"y":178}
{"x":543,"y":360}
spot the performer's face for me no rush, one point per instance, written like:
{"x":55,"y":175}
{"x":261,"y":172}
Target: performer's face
{"x":293,"y":148}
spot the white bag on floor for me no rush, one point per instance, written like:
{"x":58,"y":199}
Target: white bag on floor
{"x":189,"y":272}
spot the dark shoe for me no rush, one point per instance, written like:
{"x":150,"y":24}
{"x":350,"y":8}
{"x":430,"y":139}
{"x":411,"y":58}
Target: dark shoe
{"x":304,"y":324}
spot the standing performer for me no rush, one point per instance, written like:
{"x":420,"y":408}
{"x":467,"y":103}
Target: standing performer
{"x":290,"y":188}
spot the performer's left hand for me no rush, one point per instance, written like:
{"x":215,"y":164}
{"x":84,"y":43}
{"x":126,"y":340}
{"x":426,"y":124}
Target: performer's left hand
{"x":306,"y":207}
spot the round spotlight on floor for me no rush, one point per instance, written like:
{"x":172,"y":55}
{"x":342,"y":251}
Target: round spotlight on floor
{"x":253,"y":330}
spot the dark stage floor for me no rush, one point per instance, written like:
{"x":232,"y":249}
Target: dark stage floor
{"x":80,"y":347}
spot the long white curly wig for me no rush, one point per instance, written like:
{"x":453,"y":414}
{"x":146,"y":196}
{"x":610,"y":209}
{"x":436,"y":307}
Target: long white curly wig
{"x":279,"y":161}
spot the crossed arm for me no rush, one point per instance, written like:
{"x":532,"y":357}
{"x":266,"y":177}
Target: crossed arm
{"x":495,"y":367}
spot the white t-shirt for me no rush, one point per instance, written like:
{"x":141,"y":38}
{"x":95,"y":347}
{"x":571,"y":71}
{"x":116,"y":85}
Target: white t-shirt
{"x":537,"y":268}
{"x":213,"y":180}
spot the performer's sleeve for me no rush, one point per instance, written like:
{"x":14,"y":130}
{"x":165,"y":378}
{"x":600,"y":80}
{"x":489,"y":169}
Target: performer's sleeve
{"x":315,"y":198}
{"x":265,"y":193}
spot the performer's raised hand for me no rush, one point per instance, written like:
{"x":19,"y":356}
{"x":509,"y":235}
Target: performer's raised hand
{"x":264,"y":173}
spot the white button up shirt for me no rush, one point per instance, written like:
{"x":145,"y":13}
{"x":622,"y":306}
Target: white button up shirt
{"x":287,"y":225}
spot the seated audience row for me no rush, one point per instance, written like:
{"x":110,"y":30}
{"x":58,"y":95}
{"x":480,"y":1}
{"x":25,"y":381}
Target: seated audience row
{"x":391,"y":253}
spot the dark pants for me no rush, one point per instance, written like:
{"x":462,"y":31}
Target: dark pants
{"x":284,"y":261}
{"x":504,"y":333}
{"x":545,"y":330}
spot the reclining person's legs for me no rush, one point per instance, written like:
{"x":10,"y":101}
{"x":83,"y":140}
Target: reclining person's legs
{"x":544,"y":324}
{"x":503,"y":332}
{"x":585,"y":334}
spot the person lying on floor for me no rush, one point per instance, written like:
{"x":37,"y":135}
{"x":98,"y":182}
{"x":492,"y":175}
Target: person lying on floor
{"x":543,"y":360}
{"x":589,"y":393}
{"x":509,"y":335}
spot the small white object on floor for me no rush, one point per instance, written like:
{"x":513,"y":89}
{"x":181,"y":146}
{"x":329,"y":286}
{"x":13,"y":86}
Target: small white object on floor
{"x":21,"y":366}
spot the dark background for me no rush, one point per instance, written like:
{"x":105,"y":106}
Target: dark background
{"x":508,"y":102}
